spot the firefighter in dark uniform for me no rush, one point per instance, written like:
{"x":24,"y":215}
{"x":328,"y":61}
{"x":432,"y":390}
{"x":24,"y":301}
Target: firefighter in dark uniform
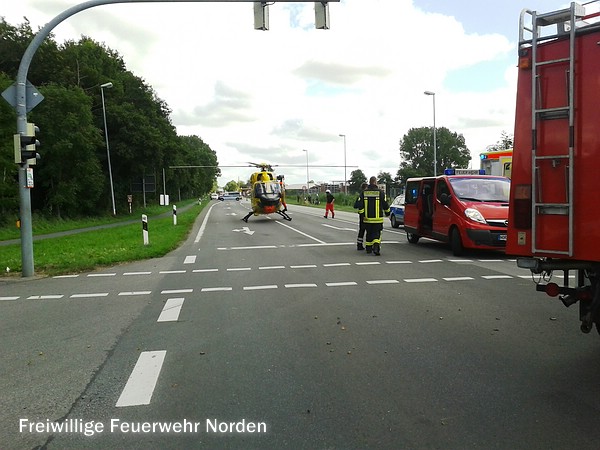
{"x":373,"y":205}
{"x":361,"y":222}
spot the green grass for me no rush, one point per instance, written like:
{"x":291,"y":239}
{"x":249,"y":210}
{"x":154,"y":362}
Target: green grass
{"x":89,"y":250}
{"x":42,"y":225}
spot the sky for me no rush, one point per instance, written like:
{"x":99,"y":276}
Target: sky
{"x":284,"y":96}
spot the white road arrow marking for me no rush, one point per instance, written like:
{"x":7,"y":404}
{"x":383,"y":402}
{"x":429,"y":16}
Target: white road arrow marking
{"x":244,"y":230}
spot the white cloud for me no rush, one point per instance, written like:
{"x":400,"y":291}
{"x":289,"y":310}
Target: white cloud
{"x":267,"y":95}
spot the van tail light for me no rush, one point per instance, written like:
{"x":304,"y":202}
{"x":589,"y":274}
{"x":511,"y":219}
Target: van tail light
{"x":522,"y":206}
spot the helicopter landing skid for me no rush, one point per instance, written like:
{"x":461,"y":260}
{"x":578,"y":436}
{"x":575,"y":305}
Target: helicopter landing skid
{"x":284,"y":215}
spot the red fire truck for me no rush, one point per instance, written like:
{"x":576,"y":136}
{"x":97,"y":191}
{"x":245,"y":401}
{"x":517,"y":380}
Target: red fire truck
{"x":554,"y":221}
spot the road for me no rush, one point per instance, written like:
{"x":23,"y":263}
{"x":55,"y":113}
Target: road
{"x":276,"y":334}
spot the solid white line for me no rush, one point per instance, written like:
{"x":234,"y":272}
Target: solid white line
{"x":66,"y":276}
{"x":300,"y":285}
{"x":271,"y":267}
{"x":191,"y":259}
{"x":257,"y":288}
{"x":170,"y":272}
{"x":306,"y":266}
{"x":336,"y":264}
{"x":496,"y":277}
{"x":135,"y":293}
{"x":137,"y":273}
{"x":142,"y":381}
{"x":102,"y":274}
{"x":171,"y":310}
{"x":458,"y":279}
{"x":99,"y":294}
{"x":204,"y":270}
{"x":419,"y":280}
{"x":9,"y":298}
{"x":216,"y":289}
{"x":238,"y":269}
{"x":342,"y":283}
{"x":382,"y":281}
{"x":203,"y":226}
{"x":44,"y":297}
{"x":398,"y":262}
{"x":300,"y":232}
{"x":369,"y":263}
{"x":177,"y":291}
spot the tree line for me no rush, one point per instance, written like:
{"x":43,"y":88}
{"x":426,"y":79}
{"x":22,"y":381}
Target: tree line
{"x":71,"y":178}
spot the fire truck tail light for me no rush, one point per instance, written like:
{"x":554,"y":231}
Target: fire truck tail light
{"x":522,"y":206}
{"x":524,"y":59}
{"x":552,"y":289}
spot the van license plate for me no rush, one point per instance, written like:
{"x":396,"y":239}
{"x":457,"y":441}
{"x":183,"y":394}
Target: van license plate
{"x":501,"y":237}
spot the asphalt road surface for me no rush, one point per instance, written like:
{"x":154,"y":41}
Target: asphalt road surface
{"x":276,"y":334}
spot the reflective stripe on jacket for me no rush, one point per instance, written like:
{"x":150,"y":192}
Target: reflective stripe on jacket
{"x":373,"y":205}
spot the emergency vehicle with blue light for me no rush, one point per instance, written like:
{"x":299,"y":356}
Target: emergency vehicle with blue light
{"x":463,"y":207}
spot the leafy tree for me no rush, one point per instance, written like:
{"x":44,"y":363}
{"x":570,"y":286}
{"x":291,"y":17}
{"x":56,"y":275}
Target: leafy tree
{"x":504,"y":143}
{"x":9,"y":197}
{"x":232,"y":186}
{"x":69,"y":179}
{"x":385,"y":178}
{"x":416,"y":152}
{"x":357,"y":177}
{"x":72,"y":177}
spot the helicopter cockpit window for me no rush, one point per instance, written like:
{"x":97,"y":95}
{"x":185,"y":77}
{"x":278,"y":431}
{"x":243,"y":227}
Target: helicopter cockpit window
{"x":267,"y":188}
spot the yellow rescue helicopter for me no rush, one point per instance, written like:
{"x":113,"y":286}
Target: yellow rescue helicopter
{"x":267,"y":193}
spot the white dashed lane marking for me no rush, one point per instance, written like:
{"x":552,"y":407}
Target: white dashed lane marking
{"x":177,"y":291}
{"x":258,"y":288}
{"x":137,"y":273}
{"x":342,"y":283}
{"x":132,"y":293}
{"x":171,"y":310}
{"x":8,"y":298}
{"x":420,"y":280}
{"x":142,"y":381}
{"x":98,"y":294}
{"x":45,"y":297}
{"x":382,"y":281}
{"x":458,"y":279}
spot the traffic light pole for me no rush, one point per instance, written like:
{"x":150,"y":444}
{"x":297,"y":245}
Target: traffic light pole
{"x":21,"y":106}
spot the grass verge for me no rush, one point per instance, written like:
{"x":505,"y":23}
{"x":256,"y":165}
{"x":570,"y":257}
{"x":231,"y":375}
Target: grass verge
{"x":89,"y":250}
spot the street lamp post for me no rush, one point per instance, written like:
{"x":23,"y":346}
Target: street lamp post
{"x":345,"y":178}
{"x":307,"y":178}
{"x":112,"y":191}
{"x":434,"y":134}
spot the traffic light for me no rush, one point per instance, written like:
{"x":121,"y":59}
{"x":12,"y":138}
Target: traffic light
{"x":322,"y":15}
{"x":26,"y":145}
{"x":261,"y":16}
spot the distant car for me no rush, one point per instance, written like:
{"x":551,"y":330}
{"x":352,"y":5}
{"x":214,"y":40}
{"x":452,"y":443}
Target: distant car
{"x":397,"y":211}
{"x":214,"y":196}
{"x":231,"y":196}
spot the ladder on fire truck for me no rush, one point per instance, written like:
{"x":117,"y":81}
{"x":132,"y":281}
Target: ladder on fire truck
{"x":565,"y":21}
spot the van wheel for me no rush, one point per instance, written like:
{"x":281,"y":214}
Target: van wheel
{"x":412,"y":238}
{"x":394,"y":222}
{"x":456,"y":243}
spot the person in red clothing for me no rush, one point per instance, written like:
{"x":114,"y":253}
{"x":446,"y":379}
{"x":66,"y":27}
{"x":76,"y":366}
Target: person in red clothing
{"x":329,"y":204}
